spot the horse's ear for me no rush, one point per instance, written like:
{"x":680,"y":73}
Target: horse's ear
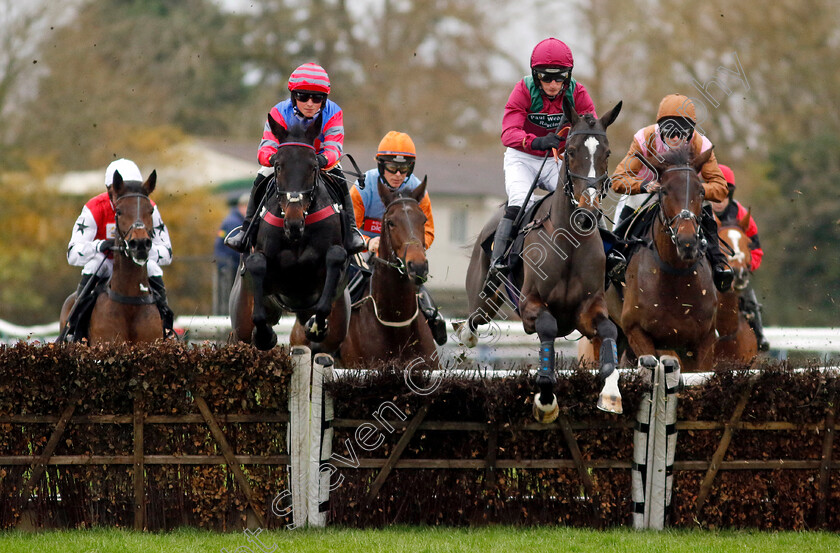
{"x":569,"y":111}
{"x":699,"y":161}
{"x":149,"y":185}
{"x":314,"y":129}
{"x":117,"y":185}
{"x":420,"y":192}
{"x":744,"y":222}
{"x":611,"y":115}
{"x":385,"y":192}
{"x":278,"y":130}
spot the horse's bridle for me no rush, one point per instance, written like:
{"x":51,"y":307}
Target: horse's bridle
{"x":295,"y":197}
{"x":596,"y":183}
{"x":122,"y":240}
{"x":685,"y":213}
{"x":396,"y":262}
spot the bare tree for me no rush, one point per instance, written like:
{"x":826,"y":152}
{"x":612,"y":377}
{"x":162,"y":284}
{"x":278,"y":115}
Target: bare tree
{"x":23,"y":29}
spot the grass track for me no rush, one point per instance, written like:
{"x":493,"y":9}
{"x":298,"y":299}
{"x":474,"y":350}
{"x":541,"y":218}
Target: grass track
{"x":420,"y":540}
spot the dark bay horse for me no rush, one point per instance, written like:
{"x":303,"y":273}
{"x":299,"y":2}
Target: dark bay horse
{"x":560,"y":286}
{"x":125,"y":311}
{"x":298,"y":262}
{"x":387,"y":323}
{"x":736,"y":341}
{"x":670,"y":300}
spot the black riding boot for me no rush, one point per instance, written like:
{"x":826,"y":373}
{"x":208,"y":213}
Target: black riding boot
{"x":721,"y":271}
{"x":501,"y":242}
{"x":239,"y":239}
{"x":616,"y":262}
{"x":353,"y":242}
{"x":166,"y":314}
{"x":752,"y":312}
{"x":81,"y":308}
{"x":432,"y":314}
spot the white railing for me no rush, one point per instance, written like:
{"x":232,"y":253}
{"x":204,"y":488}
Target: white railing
{"x":506,"y":340}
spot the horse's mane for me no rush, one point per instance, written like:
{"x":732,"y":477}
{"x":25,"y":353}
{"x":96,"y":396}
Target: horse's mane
{"x":678,"y":156}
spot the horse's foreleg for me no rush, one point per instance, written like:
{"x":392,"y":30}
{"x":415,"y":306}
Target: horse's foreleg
{"x":316,"y":327}
{"x":704,"y":352}
{"x":263,"y":335}
{"x":545,"y":402}
{"x":610,"y":397}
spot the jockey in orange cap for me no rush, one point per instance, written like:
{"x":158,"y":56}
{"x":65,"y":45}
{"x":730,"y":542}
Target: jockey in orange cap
{"x":395,"y":159}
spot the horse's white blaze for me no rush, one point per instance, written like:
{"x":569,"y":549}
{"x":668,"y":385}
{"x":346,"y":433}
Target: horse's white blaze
{"x":734,"y":237}
{"x":591,"y":144}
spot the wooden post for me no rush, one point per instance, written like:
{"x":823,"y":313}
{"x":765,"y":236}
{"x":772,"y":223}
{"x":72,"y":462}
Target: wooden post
{"x":706,"y":485}
{"x":397,"y":453}
{"x":139,"y":467}
{"x":230,"y":458}
{"x":492,"y":454}
{"x":40,"y":464}
{"x":825,"y":462}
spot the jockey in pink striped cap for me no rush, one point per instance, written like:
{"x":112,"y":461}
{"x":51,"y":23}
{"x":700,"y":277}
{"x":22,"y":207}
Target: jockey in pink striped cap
{"x":309,"y":86}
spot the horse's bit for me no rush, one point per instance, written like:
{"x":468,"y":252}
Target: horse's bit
{"x":396,"y":262}
{"x":137,"y":224}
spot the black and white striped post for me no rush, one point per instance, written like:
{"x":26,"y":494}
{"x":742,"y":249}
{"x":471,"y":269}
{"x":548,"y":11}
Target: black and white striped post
{"x":655,"y":442}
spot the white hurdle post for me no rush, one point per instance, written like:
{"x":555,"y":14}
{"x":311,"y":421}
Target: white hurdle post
{"x":320,"y":441}
{"x":297,"y":437}
{"x":654,"y":443}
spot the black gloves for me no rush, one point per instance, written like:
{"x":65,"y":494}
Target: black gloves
{"x":546,"y":142}
{"x":105,"y":245}
{"x":322,"y":161}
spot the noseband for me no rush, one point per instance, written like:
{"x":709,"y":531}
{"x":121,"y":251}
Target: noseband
{"x":296,"y":197}
{"x":596,"y":183}
{"x":685,"y":213}
{"x":122,"y":242}
{"x":394,"y":261}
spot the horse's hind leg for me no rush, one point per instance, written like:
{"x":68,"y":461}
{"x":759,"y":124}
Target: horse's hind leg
{"x":484,"y":301}
{"x":263,"y":335}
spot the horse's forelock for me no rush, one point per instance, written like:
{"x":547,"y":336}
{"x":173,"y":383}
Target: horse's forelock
{"x":133,"y":187}
{"x":678,"y":156}
{"x":590,"y":119}
{"x":297,"y":133}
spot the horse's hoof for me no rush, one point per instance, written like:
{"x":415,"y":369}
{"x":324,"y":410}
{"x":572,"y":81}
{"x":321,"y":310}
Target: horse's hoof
{"x":545,"y":414}
{"x":670,"y":363}
{"x":610,"y":398}
{"x":545,"y":378}
{"x":263,"y":340}
{"x":648,"y":362}
{"x":465,"y":336}
{"x":313,"y":331}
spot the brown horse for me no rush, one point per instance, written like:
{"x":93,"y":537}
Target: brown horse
{"x":560,"y":287}
{"x":387,"y":323}
{"x":736,"y":341}
{"x":125,"y":311}
{"x":670,"y":300}
{"x":298,"y":261}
